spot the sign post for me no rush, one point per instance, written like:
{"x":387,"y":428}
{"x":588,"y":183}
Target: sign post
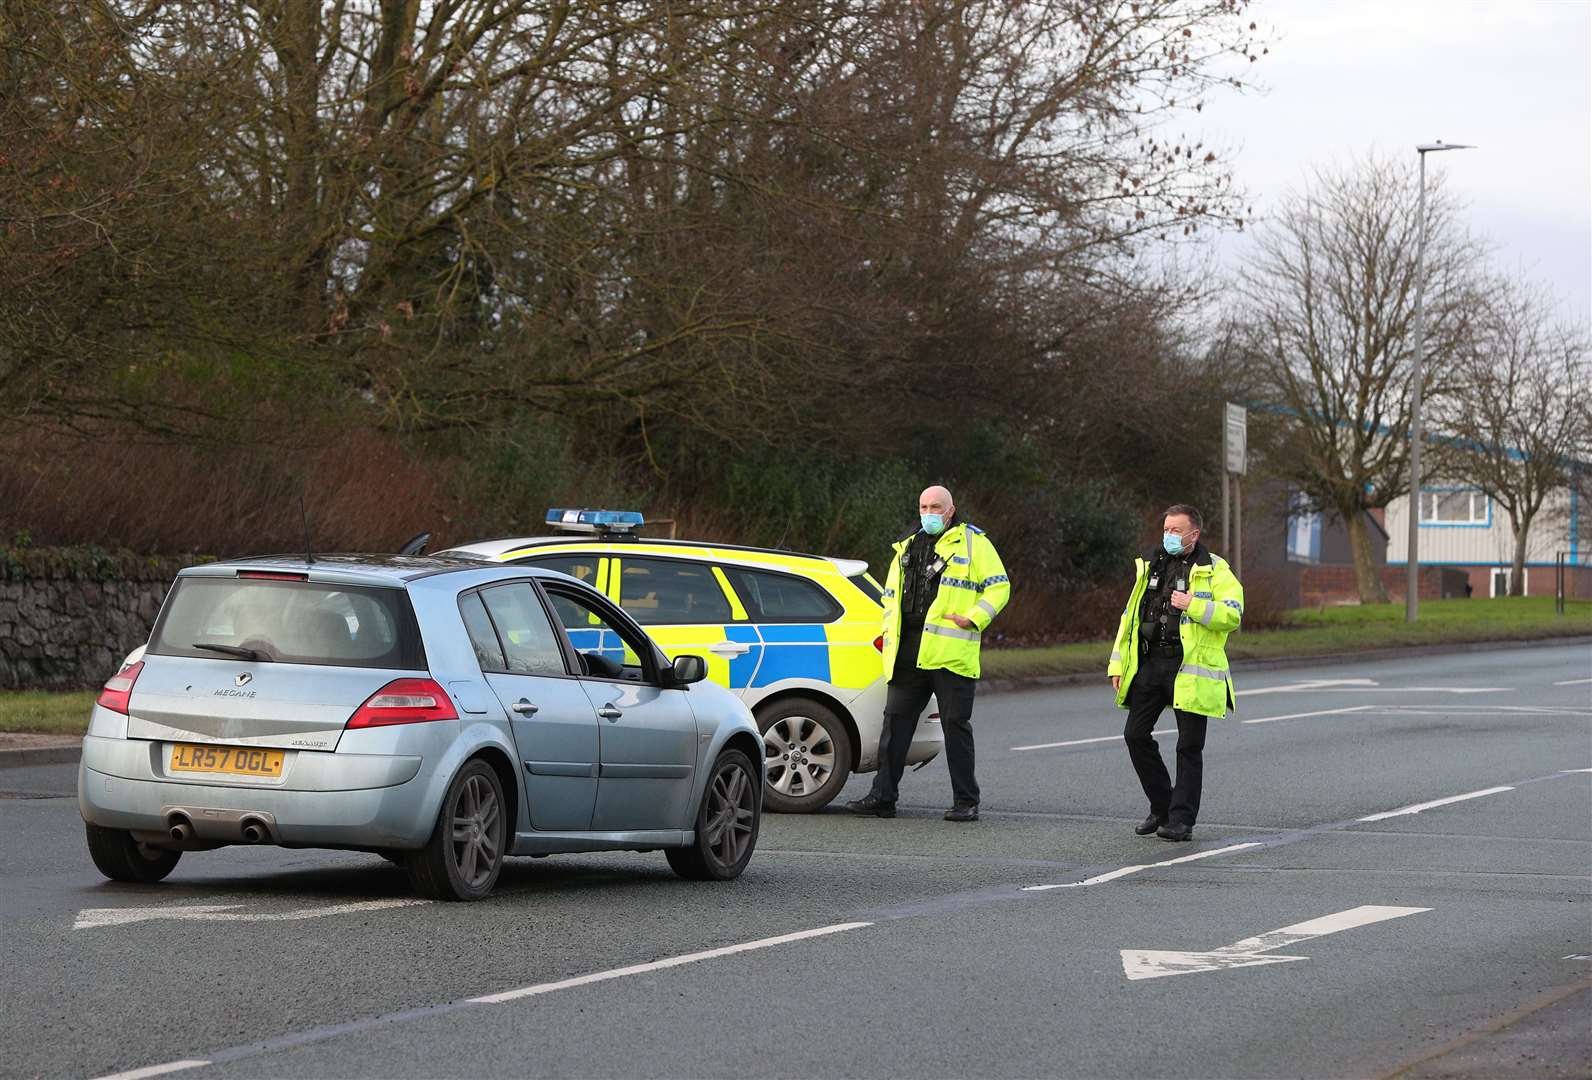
{"x":1235,"y":463}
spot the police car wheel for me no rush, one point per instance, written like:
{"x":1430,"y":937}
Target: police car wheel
{"x":807,"y":755}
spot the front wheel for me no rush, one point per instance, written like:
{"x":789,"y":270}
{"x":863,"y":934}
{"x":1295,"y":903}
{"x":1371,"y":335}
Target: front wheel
{"x":462,"y":859}
{"x":726,"y":823}
{"x":808,"y":754}
{"x":121,"y":858}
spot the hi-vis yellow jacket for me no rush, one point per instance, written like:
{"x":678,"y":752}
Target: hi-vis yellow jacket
{"x":973,"y":585}
{"x":1204,"y":682}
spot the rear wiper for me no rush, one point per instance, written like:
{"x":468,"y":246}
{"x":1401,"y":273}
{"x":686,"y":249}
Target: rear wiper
{"x":231,"y":650}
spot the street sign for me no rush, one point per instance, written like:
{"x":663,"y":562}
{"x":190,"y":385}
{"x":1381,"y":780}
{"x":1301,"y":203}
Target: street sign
{"x":1254,"y":952}
{"x":1235,"y":439}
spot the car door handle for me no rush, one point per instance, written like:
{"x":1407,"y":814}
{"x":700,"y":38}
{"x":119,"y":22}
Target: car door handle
{"x":524,"y":708}
{"x":610,"y":712}
{"x":730,"y":648}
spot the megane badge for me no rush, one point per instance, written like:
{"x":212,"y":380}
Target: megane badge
{"x":242,"y":679}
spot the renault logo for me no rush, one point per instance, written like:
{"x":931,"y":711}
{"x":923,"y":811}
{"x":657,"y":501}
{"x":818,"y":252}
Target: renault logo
{"x":242,"y":679}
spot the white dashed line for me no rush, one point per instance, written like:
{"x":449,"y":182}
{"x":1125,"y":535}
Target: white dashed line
{"x":659,"y":965}
{"x":1122,"y":872}
{"x":1083,"y":742}
{"x":1418,"y":807}
{"x":156,"y":1070}
{"x":1302,"y":715}
{"x":1573,"y":682}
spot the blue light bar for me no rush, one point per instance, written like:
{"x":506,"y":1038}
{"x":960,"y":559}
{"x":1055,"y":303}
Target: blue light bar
{"x":596,"y":521}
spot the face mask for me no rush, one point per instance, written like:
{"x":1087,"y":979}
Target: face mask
{"x":1173,"y":543}
{"x":933,"y":524}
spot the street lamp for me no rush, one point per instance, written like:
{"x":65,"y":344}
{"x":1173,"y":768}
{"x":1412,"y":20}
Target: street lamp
{"x":1412,"y":556}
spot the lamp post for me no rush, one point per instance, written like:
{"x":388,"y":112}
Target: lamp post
{"x":1412,"y":556}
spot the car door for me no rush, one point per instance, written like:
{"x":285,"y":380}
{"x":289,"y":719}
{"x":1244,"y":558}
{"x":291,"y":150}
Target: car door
{"x":554,"y":724}
{"x":647,"y":733}
{"x":687,"y":606}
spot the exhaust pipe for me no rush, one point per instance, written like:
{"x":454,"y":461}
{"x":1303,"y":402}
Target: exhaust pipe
{"x":255,"y":831}
{"x":181,"y":828}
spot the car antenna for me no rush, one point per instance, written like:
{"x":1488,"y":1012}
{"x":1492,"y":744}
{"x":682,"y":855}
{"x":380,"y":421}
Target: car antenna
{"x":309,"y":557}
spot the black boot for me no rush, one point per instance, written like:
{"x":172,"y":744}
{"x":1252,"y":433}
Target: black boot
{"x":1149,"y":824}
{"x":870,"y":806}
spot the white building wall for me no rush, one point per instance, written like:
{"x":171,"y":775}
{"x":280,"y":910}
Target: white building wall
{"x":1490,"y":543}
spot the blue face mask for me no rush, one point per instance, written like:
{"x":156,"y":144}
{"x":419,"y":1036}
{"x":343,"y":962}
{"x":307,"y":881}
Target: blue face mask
{"x":933,"y":524}
{"x":1173,"y":543}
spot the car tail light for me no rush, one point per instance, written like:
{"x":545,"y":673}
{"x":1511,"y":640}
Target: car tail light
{"x":878,"y":643}
{"x":273,"y":575}
{"x":404,"y":701}
{"x":119,"y":688}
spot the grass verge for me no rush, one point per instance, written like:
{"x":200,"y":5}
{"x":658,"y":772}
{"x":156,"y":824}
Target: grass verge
{"x":44,"y":712}
{"x":1323,"y":632}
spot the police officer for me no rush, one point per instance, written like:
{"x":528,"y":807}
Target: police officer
{"x":945,"y":584}
{"x":1171,"y":650}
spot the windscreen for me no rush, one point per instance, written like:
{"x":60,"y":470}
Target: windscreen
{"x":289,"y":622}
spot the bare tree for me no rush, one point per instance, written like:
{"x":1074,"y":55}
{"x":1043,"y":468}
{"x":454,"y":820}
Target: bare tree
{"x":1519,"y":411}
{"x":1330,"y":305}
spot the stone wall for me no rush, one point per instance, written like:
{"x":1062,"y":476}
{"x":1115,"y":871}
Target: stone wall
{"x":69,"y":615}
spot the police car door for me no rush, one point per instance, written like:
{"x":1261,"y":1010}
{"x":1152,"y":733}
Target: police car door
{"x":686,"y":606}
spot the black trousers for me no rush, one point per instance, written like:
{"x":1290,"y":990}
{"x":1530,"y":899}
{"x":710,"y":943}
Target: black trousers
{"x":1149,"y":696}
{"x":906,"y":697}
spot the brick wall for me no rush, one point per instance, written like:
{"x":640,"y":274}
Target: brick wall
{"x":1335,"y":584}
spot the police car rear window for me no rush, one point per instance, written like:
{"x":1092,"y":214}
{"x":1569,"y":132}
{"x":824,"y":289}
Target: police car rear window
{"x":782,"y":597}
{"x":289,"y":622}
{"x":662,"y":591}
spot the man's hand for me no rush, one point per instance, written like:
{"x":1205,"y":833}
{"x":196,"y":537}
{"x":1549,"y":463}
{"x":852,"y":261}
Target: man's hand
{"x":1181,"y":600}
{"x":1116,"y":682}
{"x":963,"y":621}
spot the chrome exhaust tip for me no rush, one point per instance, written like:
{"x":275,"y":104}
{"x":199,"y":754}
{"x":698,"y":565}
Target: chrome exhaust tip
{"x":181,"y":828}
{"x":255,"y":831}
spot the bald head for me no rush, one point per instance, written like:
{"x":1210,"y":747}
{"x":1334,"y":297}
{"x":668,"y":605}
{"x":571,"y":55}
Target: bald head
{"x":936,"y":500}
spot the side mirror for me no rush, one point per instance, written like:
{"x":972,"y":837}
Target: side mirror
{"x":689,"y":669}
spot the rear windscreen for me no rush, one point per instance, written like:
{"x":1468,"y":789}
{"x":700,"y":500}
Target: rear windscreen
{"x":289,"y":622}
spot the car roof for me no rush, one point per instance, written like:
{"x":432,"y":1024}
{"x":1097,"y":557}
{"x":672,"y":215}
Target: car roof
{"x":343,"y":568}
{"x":494,"y":550}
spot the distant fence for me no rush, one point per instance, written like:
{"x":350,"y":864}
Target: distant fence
{"x":69,"y":615}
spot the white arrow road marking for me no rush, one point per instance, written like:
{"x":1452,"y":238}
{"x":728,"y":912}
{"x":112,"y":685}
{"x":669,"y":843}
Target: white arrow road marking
{"x":1250,"y":952}
{"x":1418,"y":807}
{"x":92,"y":918}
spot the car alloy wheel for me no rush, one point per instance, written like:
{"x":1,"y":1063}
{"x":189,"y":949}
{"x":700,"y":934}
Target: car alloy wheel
{"x":727,"y":823}
{"x":807,"y":756}
{"x":465,"y":853}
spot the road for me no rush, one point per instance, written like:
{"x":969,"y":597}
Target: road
{"x":1446,"y":940}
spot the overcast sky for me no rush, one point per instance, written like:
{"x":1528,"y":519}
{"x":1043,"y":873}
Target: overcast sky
{"x":1512,"y":76}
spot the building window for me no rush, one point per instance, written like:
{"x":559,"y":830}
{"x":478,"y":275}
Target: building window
{"x":1304,"y":530}
{"x":1454,"y":506}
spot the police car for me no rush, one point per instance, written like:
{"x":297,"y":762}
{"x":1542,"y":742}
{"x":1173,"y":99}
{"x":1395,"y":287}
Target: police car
{"x":796,"y":636}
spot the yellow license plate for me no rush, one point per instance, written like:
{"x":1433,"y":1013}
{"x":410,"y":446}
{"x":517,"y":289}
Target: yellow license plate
{"x":238,"y":760}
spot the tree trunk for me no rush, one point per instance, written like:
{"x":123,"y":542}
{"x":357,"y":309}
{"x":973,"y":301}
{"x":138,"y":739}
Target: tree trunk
{"x":1366,"y":575}
{"x":1517,"y":571}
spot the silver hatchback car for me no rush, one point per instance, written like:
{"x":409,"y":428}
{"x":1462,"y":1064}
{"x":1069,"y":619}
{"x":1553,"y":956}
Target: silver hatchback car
{"x":434,"y":711}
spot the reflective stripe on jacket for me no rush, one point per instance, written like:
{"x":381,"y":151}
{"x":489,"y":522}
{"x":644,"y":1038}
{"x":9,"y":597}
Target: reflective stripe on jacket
{"x":1204,"y":682}
{"x":973,"y":585}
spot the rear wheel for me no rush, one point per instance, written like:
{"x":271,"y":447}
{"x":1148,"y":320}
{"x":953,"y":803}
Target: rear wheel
{"x":808,"y":755}
{"x":726,"y":823}
{"x":462,"y":859}
{"x":121,"y":858}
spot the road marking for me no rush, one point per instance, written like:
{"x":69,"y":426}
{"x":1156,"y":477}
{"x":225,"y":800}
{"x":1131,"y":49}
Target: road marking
{"x":659,"y":965}
{"x":1572,"y":772}
{"x":1302,"y":715}
{"x":1573,"y":682}
{"x":156,"y":1070}
{"x":1124,"y":871}
{"x":1418,"y":807}
{"x":1081,"y":742}
{"x":93,"y":918}
{"x":1252,"y":952}
{"x":1307,"y":685}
